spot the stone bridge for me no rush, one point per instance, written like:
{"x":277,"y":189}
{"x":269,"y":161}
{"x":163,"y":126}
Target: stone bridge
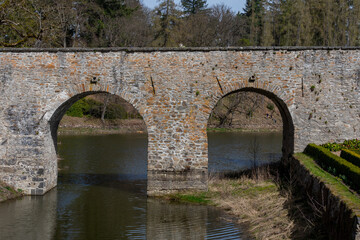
{"x":317,"y":91}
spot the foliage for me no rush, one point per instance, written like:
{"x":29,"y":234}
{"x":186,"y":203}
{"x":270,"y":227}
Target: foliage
{"x":92,"y":108}
{"x":270,"y":106}
{"x":166,"y":19}
{"x":351,"y":156}
{"x":19,"y":21}
{"x":347,"y":144}
{"x":78,"y":108}
{"x":193,"y":6}
{"x":337,"y":165}
{"x":127,"y":23}
{"x":332,"y":182}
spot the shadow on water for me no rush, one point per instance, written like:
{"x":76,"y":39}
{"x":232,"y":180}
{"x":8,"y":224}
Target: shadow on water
{"x":129,"y":182}
{"x":305,"y":214}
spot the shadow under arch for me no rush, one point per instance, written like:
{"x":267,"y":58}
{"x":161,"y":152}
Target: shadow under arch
{"x":288,"y":125}
{"x":61,"y":110}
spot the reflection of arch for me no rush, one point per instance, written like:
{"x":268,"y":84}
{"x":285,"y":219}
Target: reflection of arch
{"x":288,"y":126}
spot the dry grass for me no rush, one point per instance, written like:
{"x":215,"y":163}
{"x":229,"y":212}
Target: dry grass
{"x":267,"y":210}
{"x":7,"y":192}
{"x":93,"y":126}
{"x":258,"y":203}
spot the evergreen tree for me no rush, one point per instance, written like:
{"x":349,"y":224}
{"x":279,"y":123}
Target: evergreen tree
{"x":295,"y":24}
{"x":166,"y":19}
{"x":193,"y":6}
{"x":254,"y":11}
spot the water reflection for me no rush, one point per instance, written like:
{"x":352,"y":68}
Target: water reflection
{"x":32,"y":217}
{"x":179,"y":221}
{"x":229,"y":151}
{"x":101,"y":194}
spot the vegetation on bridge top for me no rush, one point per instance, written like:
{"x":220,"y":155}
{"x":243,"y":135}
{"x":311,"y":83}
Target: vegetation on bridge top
{"x":336,"y":165}
{"x":337,"y":187}
{"x":353,"y":144}
{"x":351,"y":156}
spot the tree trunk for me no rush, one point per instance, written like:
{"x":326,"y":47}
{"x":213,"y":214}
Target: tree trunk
{"x":106,"y":100}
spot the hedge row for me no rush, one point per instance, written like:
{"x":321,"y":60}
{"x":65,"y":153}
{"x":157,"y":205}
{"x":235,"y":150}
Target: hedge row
{"x":351,"y":156}
{"x":338,"y":165}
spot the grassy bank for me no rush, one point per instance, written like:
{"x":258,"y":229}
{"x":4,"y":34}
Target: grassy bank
{"x":267,"y":209}
{"x":261,"y":130}
{"x":7,"y":192}
{"x":335,"y":184}
{"x":93,"y":126}
{"x":95,"y":131}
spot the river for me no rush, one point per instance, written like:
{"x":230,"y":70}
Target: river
{"x":101,"y":192}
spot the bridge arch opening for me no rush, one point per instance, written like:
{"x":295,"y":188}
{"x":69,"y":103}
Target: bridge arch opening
{"x":115,"y":141}
{"x":60,"y":112}
{"x":276,"y":112}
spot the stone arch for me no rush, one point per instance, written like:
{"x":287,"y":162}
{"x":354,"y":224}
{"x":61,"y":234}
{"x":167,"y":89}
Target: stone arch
{"x":54,"y":110}
{"x":60,"y":111}
{"x":273,"y":93}
{"x":62,"y":105}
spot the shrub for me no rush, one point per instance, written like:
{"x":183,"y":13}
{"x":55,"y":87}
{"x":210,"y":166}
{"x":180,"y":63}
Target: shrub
{"x":93,"y":108}
{"x":334,"y":147}
{"x":78,"y":108}
{"x":114,"y":111}
{"x":347,"y":144}
{"x":339,"y":166}
{"x":351,"y":144}
{"x":351,"y":156}
{"x":270,"y":106}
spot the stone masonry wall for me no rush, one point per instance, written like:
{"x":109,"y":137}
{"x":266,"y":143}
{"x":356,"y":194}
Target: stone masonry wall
{"x":317,"y":91}
{"x":341,"y":221}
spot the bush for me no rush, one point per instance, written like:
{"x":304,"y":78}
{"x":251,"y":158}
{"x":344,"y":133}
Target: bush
{"x":92,"y":108}
{"x":351,"y":156}
{"x":338,"y":165}
{"x":78,"y":108}
{"x":351,"y":144}
{"x":270,"y":106}
{"x":347,"y":144}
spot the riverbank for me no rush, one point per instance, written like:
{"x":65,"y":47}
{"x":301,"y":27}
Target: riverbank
{"x":7,"y":192}
{"x":267,"y":208}
{"x":93,"y":126}
{"x":255,"y":130}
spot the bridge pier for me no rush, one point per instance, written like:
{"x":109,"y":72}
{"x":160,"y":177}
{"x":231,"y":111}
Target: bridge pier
{"x":160,"y":182}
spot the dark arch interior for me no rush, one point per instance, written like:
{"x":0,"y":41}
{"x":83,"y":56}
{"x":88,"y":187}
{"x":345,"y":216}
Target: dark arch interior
{"x":60,"y":112}
{"x":288,"y":126}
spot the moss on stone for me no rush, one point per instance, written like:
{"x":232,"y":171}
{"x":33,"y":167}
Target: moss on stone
{"x":336,"y":186}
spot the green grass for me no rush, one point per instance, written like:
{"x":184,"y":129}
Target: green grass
{"x":241,"y":130}
{"x":198,"y":198}
{"x":356,"y":151}
{"x":334,"y":183}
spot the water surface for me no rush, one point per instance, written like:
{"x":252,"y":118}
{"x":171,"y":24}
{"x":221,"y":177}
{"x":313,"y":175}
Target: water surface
{"x":101,"y":193}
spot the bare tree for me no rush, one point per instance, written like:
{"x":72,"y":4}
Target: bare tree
{"x":254,"y":150}
{"x":238,"y":103}
{"x":105,"y":103}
